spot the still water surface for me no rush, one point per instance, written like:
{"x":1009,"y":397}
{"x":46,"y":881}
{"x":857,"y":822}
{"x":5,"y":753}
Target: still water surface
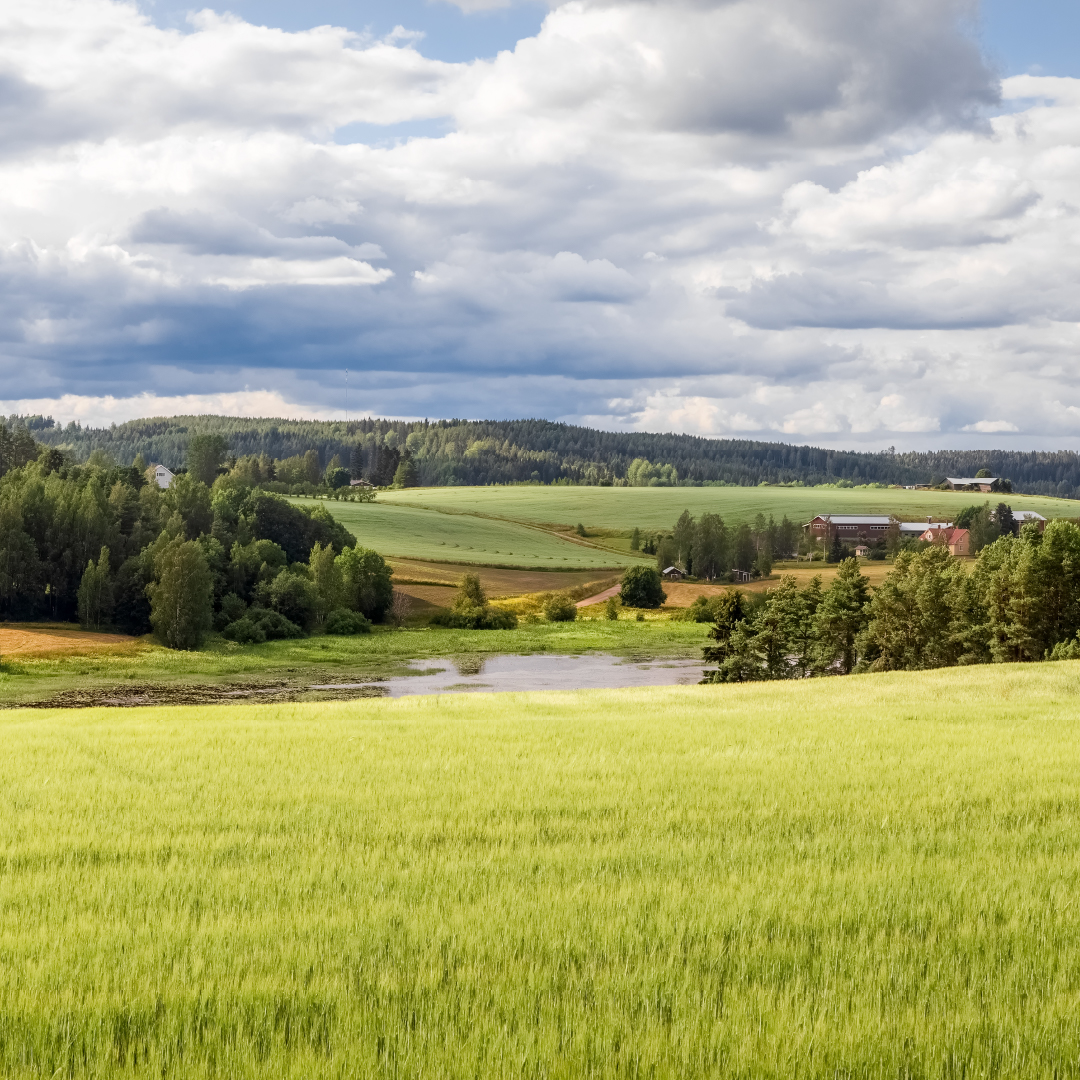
{"x":474,"y":674}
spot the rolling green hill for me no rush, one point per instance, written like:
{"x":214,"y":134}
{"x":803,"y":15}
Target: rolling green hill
{"x":393,"y":529}
{"x":658,"y":508}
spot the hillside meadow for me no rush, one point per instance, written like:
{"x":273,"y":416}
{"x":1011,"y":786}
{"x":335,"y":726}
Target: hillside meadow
{"x":870,"y":877}
{"x":624,"y":508}
{"x":446,"y":535}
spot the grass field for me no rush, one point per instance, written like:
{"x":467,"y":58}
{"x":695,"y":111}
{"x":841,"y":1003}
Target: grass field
{"x":409,"y":532}
{"x":867,"y":877}
{"x":658,"y":508}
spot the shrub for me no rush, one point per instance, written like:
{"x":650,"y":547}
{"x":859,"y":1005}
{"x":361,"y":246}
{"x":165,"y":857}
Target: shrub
{"x":611,"y":608}
{"x":261,"y":625}
{"x":475,"y":618}
{"x":344,"y":622}
{"x":702,"y":610}
{"x":245,"y":632}
{"x":642,"y":587}
{"x":560,"y":608}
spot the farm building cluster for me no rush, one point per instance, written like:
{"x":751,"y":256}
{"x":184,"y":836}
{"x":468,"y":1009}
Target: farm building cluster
{"x":873,"y":529}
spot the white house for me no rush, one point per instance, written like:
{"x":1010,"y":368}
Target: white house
{"x":159,"y":475}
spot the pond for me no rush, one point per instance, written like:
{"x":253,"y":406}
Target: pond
{"x":475,"y":674}
{"x":463,"y":675}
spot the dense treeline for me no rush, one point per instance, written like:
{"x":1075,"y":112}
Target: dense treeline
{"x":707,"y":549}
{"x":1019,"y":602}
{"x":102,"y":542}
{"x":448,"y":452}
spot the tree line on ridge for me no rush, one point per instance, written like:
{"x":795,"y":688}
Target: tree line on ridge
{"x":448,"y":452}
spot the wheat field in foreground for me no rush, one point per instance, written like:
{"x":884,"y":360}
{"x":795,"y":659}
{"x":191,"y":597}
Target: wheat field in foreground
{"x":871,"y":877}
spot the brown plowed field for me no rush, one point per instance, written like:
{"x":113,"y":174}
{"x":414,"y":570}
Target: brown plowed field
{"x":29,"y":639}
{"x":496,"y":582}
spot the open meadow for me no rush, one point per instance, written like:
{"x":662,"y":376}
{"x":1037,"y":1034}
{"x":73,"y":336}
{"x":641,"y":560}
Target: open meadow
{"x":871,"y":877}
{"x":445,"y":535}
{"x":624,"y":508}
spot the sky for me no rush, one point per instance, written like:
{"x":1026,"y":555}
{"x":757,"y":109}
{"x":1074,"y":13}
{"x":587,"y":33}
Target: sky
{"x":844,"y":222}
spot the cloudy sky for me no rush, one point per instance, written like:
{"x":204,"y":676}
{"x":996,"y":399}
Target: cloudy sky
{"x":848,"y":222}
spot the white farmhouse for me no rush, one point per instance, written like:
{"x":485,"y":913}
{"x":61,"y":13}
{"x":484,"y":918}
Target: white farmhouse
{"x":159,"y":475}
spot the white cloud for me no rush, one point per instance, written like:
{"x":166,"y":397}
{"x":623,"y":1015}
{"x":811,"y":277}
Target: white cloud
{"x":837,"y":243}
{"x":989,"y":427}
{"x":102,"y":411}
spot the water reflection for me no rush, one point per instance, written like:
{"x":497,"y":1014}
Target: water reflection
{"x":473,"y":674}
{"x":469,"y":665}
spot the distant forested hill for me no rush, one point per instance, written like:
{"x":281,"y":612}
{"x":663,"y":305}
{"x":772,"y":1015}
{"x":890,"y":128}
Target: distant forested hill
{"x":445,"y":452}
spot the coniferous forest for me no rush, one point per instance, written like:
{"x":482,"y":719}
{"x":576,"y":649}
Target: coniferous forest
{"x":448,"y":452}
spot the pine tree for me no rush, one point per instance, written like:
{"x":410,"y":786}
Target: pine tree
{"x":842,"y":616}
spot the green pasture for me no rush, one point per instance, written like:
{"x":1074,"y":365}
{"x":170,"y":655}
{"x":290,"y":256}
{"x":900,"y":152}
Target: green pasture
{"x":327,"y":659}
{"x":864,"y":877}
{"x":447,"y":536}
{"x":658,"y":508}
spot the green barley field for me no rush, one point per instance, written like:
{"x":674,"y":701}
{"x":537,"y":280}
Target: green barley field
{"x":658,"y":508}
{"x":411,"y":532}
{"x":866,"y":877}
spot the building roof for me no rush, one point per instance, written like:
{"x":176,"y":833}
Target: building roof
{"x":1027,"y":515}
{"x":924,"y":526}
{"x":854,"y":519}
{"x":673,"y":570}
{"x":948,"y":534}
{"x":964,"y":481}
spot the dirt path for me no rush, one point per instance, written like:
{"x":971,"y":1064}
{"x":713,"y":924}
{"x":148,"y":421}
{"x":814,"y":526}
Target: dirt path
{"x":26,"y":639}
{"x":599,"y":598}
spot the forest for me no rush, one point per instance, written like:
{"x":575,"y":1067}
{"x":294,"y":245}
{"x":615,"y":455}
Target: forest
{"x":460,"y":452}
{"x":102,"y":542}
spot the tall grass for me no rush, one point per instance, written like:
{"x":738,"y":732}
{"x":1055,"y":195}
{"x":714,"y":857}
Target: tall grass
{"x":869,"y":877}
